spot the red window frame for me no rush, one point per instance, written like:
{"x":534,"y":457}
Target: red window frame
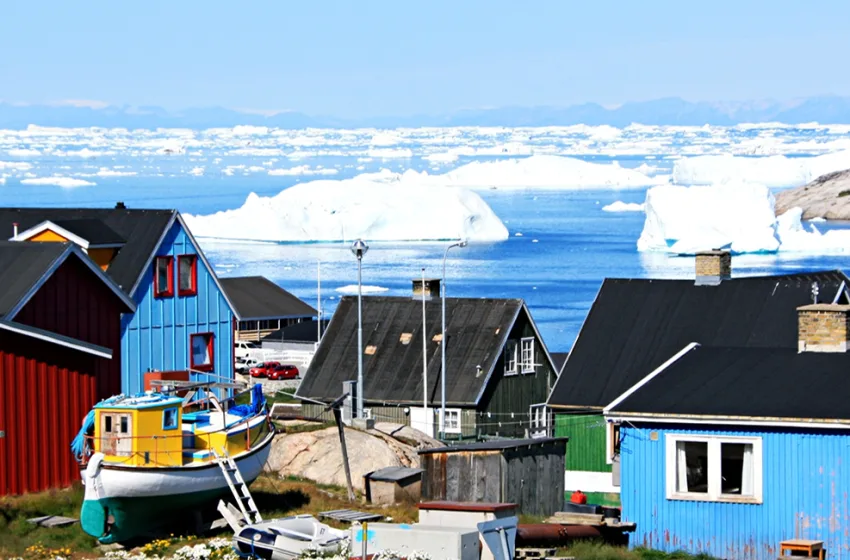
{"x":210,"y":350}
{"x":168,"y":290}
{"x":193,"y":289}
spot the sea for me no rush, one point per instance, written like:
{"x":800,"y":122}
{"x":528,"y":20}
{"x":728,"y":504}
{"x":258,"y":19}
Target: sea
{"x":561,"y":245}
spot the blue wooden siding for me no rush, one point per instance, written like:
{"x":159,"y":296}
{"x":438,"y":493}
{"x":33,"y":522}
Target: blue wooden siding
{"x":156,"y":337}
{"x":806,"y":480}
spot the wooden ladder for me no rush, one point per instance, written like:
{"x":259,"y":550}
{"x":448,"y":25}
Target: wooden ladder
{"x":237,"y":485}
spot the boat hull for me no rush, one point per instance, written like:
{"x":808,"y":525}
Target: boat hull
{"x":124,"y":502}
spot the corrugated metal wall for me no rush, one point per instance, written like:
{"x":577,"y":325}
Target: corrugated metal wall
{"x":157,"y":335}
{"x":587,"y":441}
{"x":806,"y":478}
{"x":41,"y":408}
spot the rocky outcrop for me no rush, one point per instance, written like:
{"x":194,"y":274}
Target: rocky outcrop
{"x":316,"y":455}
{"x":828,"y":197}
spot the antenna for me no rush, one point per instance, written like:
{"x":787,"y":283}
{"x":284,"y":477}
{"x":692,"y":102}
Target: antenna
{"x":815,"y":291}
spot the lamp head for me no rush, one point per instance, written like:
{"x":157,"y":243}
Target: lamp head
{"x":359,"y":248}
{"x":462,"y":243}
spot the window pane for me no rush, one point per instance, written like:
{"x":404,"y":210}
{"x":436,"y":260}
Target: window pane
{"x":736,"y":468}
{"x":200,"y":350}
{"x":184,"y":273}
{"x":107,"y":424}
{"x":162,"y":274}
{"x":125,"y":423}
{"x":692,"y":466}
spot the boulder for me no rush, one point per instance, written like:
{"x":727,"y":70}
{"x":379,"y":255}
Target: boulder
{"x":828,"y":197}
{"x":316,"y":455}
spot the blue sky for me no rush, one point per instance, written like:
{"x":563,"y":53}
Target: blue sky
{"x":375,"y":57}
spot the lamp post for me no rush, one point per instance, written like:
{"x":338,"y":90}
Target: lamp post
{"x":443,"y":341}
{"x":358,"y":249}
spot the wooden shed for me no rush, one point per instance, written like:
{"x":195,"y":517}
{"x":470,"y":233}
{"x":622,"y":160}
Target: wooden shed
{"x":393,"y":485}
{"x":527,"y":472}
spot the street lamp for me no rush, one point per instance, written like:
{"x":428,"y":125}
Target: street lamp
{"x":358,"y":249}
{"x":461,"y":243}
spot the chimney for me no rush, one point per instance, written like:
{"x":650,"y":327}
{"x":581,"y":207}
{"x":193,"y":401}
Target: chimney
{"x":823,"y":327}
{"x":14,"y":229}
{"x":431,"y":288}
{"x":120,"y":206}
{"x":713,"y":266}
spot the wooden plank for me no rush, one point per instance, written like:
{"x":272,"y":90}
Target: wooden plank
{"x":566,"y":518}
{"x":52,"y":521}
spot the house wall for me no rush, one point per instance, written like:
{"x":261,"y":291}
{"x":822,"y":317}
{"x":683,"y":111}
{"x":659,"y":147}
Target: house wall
{"x":396,"y":415}
{"x":806,"y":482}
{"x":157,"y":335}
{"x":507,"y":400}
{"x":45,"y":391}
{"x":587,"y":468}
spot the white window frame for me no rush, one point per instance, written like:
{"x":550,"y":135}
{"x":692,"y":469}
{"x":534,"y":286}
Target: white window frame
{"x":539,"y":418}
{"x":610,"y":441}
{"x":447,"y":428}
{"x":526,"y":366}
{"x":511,"y":344}
{"x":714,"y":493}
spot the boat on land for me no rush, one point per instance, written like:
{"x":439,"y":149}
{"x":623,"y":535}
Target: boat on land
{"x":287,"y":538}
{"x":148,"y":458}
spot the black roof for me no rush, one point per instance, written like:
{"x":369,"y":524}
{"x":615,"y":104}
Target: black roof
{"x":494,"y":445}
{"x":140,"y":229}
{"x":305,"y":331}
{"x":257,"y":297}
{"x":775,"y":383}
{"x":22,"y":268}
{"x":95,"y":231}
{"x":394,"y":474}
{"x":634,"y":326}
{"x":392,"y":341}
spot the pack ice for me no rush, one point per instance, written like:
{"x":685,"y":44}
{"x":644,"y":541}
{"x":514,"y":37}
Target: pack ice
{"x":735,"y":215}
{"x":363,"y":207}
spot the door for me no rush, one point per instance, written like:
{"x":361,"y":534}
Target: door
{"x":116,"y":434}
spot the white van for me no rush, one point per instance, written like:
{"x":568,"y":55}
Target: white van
{"x":244,"y":349}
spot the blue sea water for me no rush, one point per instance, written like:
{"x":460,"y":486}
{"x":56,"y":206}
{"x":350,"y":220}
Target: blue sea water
{"x":562,"y":244}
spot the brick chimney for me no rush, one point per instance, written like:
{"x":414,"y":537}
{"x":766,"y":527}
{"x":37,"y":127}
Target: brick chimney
{"x":712,"y":267}
{"x":823,"y":327}
{"x":431,"y":287}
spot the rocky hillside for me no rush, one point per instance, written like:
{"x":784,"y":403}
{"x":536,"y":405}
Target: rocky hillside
{"x":828,"y":197}
{"x":316,"y":455}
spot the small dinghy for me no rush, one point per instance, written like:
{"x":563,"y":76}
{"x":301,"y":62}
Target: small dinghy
{"x":287,"y":538}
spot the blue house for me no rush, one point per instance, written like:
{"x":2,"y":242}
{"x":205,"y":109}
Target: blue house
{"x":731,"y":450}
{"x":183,"y":319}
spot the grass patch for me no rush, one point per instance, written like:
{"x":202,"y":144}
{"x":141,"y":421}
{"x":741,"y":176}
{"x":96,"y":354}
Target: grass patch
{"x":282,"y":398}
{"x":301,"y":427}
{"x":598,"y":551}
{"x":17,"y":534}
{"x":843,"y":194}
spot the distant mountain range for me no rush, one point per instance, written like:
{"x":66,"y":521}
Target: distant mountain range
{"x":668,"y":111}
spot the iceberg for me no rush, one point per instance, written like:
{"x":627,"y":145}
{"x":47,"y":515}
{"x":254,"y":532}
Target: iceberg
{"x":66,"y":182}
{"x":738,"y":216}
{"x":351,"y":289}
{"x":620,"y":206}
{"x":773,"y":171}
{"x":362,"y":207}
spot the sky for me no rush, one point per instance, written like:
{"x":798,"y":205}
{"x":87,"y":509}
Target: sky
{"x":393,"y":57}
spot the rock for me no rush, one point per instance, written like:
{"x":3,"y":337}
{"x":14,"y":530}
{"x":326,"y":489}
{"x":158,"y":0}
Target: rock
{"x":828,"y":197}
{"x":316,"y":455}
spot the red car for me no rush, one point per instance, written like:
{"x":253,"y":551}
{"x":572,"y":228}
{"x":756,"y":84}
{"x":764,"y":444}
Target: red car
{"x":284,"y":372}
{"x":263,"y":369}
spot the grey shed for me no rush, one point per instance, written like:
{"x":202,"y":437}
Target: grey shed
{"x":528,"y":472}
{"x":393,"y":485}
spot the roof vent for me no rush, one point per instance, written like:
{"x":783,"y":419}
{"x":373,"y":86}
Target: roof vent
{"x":431,"y":287}
{"x":120,"y":206}
{"x":823,"y":327}
{"x":712,"y":267}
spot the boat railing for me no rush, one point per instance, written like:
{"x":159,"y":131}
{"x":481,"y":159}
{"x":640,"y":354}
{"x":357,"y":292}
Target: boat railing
{"x":153,"y":457}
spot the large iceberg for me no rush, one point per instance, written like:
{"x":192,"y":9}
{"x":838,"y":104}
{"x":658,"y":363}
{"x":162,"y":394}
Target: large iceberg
{"x":773,"y":171}
{"x":735,"y":215}
{"x":361,"y":207}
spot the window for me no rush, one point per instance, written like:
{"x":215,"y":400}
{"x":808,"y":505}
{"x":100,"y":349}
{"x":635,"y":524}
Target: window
{"x":539,"y":420}
{"x":712,"y":468}
{"x":163,"y":277}
{"x":452,"y":422}
{"x":510,"y":357}
{"x":202,"y":351}
{"x":187,"y":275}
{"x":169,"y":419}
{"x":527,"y":355}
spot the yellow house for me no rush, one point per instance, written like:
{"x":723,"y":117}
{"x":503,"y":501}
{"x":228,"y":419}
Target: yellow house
{"x":98,"y":240}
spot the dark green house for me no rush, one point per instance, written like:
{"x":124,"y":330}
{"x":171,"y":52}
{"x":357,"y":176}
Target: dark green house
{"x":498,"y":370}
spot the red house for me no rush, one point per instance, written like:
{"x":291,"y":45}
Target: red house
{"x":60,"y":343}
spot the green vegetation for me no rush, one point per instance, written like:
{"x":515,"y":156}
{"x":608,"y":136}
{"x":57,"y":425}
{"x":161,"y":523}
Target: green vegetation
{"x":596,"y":551}
{"x":843,"y":193}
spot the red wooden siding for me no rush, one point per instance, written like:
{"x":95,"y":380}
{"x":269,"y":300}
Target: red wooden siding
{"x":76,"y":303}
{"x":44,"y":394}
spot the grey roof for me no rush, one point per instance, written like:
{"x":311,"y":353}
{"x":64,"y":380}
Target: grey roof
{"x":494,"y":445}
{"x":394,"y":474}
{"x":257,"y":297}
{"x":22,"y":267}
{"x":55,"y":338}
{"x":770,"y":383}
{"x":634,"y":326}
{"x":142,"y":230}
{"x":392,"y":341}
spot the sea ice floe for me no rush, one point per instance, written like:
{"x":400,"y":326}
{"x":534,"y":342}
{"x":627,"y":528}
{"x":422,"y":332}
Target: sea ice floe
{"x":303,"y":170}
{"x":351,"y":289}
{"x":734,"y":215}
{"x":362,"y":207}
{"x":620,"y":206}
{"x":23,"y":152}
{"x":66,"y":182}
